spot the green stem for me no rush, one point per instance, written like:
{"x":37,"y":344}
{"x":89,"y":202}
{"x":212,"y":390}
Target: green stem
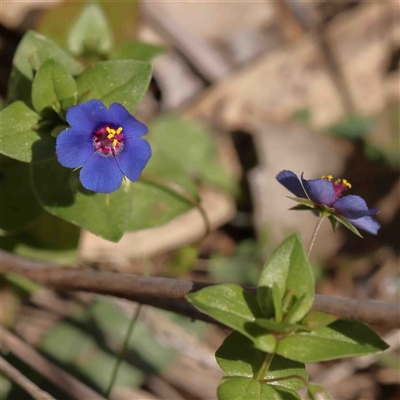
{"x":122,"y":353}
{"x":319,"y":223}
{"x":132,"y":323}
{"x":264,"y":367}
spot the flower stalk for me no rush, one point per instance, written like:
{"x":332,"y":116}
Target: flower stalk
{"x":315,"y":233}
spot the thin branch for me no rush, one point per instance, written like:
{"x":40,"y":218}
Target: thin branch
{"x":66,"y":382}
{"x":22,"y":381}
{"x":170,"y":294}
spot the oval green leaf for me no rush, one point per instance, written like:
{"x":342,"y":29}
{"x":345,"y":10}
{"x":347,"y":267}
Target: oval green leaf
{"x":163,"y":192}
{"x":237,"y":356}
{"x":238,"y":388}
{"x":18,"y":206}
{"x":134,"y":50}
{"x":316,"y":320}
{"x":19,"y":138}
{"x":60,"y":193}
{"x":33,"y":50}
{"x":289,"y":272}
{"x":91,"y":32}
{"x":234,"y":307}
{"x":192,"y":146}
{"x":52,"y":85}
{"x":121,"y":81}
{"x":339,"y":339}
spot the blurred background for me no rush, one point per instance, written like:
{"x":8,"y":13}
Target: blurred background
{"x":312,"y":87}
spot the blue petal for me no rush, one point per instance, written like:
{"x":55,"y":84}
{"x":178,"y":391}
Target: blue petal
{"x":319,"y":190}
{"x":119,"y":116}
{"x":134,"y":157}
{"x":101,"y":174}
{"x":352,"y":207}
{"x":73,"y":148}
{"x":291,"y":182}
{"x":367,"y":224}
{"x":134,"y":129}
{"x":87,"y":116}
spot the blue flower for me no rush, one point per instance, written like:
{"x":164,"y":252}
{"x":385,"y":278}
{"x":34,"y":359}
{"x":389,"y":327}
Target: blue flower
{"x":325,"y":195}
{"x":106,"y":143}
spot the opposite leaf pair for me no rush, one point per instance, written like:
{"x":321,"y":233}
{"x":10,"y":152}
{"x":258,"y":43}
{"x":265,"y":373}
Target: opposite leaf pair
{"x":276,"y":332}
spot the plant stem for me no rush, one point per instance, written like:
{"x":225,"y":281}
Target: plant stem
{"x":121,"y":355}
{"x":319,"y":223}
{"x":264,"y":367}
{"x":132,"y":323}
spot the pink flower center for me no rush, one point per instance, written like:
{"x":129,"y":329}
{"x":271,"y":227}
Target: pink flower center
{"x":108,"y":141}
{"x":339,"y":185}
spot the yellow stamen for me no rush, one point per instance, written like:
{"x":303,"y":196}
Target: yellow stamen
{"x":329,"y":177}
{"x":344,"y":181}
{"x":114,"y":143}
{"x":348,"y":184}
{"x":112,"y":132}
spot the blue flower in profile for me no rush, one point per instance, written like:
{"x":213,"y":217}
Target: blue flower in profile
{"x":106,"y":143}
{"x":325,"y":196}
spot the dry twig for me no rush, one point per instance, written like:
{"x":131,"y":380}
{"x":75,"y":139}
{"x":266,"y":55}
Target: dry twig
{"x":54,"y":374}
{"x":170,"y":294}
{"x":21,"y":380}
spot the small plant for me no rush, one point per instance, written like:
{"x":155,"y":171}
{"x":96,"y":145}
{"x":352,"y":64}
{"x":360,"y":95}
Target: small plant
{"x":72,"y":156}
{"x":276,"y":332}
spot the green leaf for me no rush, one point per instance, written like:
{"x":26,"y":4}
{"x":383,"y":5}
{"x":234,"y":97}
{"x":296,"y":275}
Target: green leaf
{"x":277,"y":300}
{"x":154,"y":197}
{"x":383,"y":143}
{"x":33,"y":50}
{"x":59,"y":191}
{"x":52,"y":84}
{"x":193,"y":147}
{"x":18,"y":206}
{"x":354,"y":127}
{"x":290,"y":271}
{"x":316,"y":392}
{"x":135,"y":50}
{"x":305,"y":202}
{"x":122,"y":16}
{"x":302,"y":115}
{"x":47,"y":239}
{"x":19,"y":138}
{"x":274,"y":326}
{"x":339,"y":339}
{"x":237,"y":356}
{"x":233,"y":306}
{"x":113,"y":322}
{"x":334,"y":222}
{"x":347,"y":224}
{"x":227,"y":303}
{"x":121,"y":81}
{"x":300,"y":207}
{"x":81,"y":352}
{"x":240,"y":267}
{"x":316,"y":320}
{"x":91,"y":32}
{"x":238,"y":388}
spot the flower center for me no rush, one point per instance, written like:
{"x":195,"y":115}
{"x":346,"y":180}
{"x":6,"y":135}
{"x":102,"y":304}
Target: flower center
{"x":108,"y":141}
{"x":339,"y":185}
